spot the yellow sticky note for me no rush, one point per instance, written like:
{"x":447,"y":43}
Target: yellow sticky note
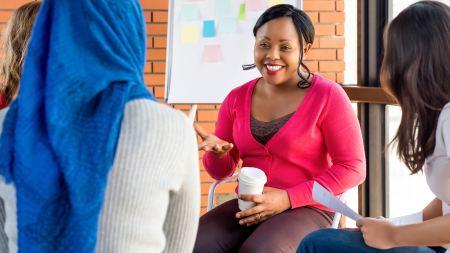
{"x":189,"y":34}
{"x":271,"y":3}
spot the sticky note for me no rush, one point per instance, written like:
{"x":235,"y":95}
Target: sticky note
{"x":209,"y":29}
{"x":271,"y":3}
{"x":242,"y":11}
{"x":227,"y":25}
{"x":190,"y":12}
{"x":189,"y":34}
{"x":212,"y":53}
{"x":223,"y":8}
{"x":255,"y":5}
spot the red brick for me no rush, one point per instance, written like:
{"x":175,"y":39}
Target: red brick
{"x":314,"y":5}
{"x":13,"y":4}
{"x":159,"y":92}
{"x":340,"y":77}
{"x":155,"y":4}
{"x":324,"y":29}
{"x":340,"y":6}
{"x":329,"y":75}
{"x":5,"y":15}
{"x":159,"y":42}
{"x":207,"y":116}
{"x":157,"y":29}
{"x":340,"y":54}
{"x":331,"y":17}
{"x":148,"y":67}
{"x":160,"y":16}
{"x":332,"y":42}
{"x":313,"y":15}
{"x":159,"y":67}
{"x":155,"y":79}
{"x":340,"y":29}
{"x":325,"y":66}
{"x":148,"y":16}
{"x":156,"y":54}
{"x":322,"y":54}
{"x":312,"y":65}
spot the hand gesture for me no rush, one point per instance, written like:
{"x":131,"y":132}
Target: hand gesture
{"x":273,"y":201}
{"x":212,"y":143}
{"x":377,"y":233}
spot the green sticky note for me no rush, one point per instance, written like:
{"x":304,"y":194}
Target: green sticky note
{"x":190,"y":12}
{"x":242,"y":11}
{"x":224,"y":8}
{"x":227,"y":25}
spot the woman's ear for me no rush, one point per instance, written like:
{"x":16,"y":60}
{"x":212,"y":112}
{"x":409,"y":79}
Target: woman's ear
{"x":306,"y":49}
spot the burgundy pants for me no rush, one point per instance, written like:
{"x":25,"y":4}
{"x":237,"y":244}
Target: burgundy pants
{"x":219,"y":231}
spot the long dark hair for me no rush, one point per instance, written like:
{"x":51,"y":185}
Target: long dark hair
{"x":303,"y":25}
{"x":416,"y":71}
{"x":15,"y":43}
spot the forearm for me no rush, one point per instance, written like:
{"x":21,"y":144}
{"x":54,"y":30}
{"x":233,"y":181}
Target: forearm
{"x":219,"y":167}
{"x":433,"y":232}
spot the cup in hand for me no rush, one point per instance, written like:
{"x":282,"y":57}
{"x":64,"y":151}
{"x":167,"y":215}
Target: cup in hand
{"x":251,"y":182}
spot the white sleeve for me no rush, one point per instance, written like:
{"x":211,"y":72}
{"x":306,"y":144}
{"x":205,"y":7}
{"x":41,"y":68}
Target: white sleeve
{"x":184,"y":208}
{"x":446,"y":135}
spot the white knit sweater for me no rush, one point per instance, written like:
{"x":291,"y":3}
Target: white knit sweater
{"x":152,"y":196}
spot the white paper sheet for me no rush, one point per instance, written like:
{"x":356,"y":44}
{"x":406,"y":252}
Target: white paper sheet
{"x":324,"y":197}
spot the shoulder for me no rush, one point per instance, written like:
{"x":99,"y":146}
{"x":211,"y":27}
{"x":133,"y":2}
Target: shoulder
{"x":326,"y":87}
{"x":148,"y":113}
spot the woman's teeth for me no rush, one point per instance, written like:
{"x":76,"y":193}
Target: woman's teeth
{"x":273,"y":68}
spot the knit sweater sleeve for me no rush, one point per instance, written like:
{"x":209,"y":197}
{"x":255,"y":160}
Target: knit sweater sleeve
{"x":152,"y":197}
{"x":343,"y":139}
{"x":222,"y":167}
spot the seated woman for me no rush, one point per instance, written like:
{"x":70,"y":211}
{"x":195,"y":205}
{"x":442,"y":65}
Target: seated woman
{"x":417,"y":73}
{"x":297,"y":127}
{"x":87,"y":155}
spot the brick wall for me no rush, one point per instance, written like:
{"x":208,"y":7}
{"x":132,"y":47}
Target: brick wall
{"x":326,"y":57}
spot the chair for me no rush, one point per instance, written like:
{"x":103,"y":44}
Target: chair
{"x":233,"y":178}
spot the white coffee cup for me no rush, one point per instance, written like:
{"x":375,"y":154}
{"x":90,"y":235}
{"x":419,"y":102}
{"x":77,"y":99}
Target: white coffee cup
{"x":251,"y":182}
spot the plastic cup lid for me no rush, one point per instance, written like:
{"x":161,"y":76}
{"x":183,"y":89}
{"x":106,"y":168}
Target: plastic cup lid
{"x":252,"y":175}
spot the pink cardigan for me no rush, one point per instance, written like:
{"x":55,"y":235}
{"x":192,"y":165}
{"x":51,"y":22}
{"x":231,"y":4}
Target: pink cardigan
{"x":321,"y":142}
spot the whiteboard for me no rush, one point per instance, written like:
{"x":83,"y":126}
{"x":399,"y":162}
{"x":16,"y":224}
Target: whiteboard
{"x":208,"y":41}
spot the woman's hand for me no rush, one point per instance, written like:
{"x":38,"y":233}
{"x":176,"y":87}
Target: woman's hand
{"x":377,"y":233}
{"x":273,"y":201}
{"x":212,"y":143}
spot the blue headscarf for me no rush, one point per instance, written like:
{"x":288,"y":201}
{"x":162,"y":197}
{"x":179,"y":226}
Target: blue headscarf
{"x":84,"y":63}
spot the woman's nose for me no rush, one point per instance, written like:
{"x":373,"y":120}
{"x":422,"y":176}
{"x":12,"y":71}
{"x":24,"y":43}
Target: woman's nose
{"x":273,"y":54}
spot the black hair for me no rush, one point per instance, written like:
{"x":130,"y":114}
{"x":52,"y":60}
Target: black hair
{"x":416,"y":71}
{"x":304,"y":27}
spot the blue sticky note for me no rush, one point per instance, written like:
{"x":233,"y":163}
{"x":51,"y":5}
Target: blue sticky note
{"x":209,"y":29}
{"x":190,"y":12}
{"x":224,"y":8}
{"x":228,"y":25}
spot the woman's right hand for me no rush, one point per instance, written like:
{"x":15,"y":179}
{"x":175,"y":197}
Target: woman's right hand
{"x":212,"y":143}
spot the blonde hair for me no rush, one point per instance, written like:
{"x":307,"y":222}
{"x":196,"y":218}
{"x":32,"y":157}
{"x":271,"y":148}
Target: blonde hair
{"x":15,"y":43}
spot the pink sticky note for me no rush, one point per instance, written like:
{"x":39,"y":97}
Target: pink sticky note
{"x":255,"y":5}
{"x":212,"y":53}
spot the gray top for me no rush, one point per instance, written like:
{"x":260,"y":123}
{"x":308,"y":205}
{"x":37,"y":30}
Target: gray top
{"x":152,"y":198}
{"x":262,"y":131}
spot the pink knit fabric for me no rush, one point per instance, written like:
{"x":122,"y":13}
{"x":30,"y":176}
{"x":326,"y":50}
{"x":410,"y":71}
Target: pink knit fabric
{"x":321,"y":142}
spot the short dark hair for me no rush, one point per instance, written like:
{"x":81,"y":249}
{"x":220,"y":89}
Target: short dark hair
{"x":416,"y":71}
{"x":303,"y":25}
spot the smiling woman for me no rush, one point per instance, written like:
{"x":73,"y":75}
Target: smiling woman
{"x":286,"y":124}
